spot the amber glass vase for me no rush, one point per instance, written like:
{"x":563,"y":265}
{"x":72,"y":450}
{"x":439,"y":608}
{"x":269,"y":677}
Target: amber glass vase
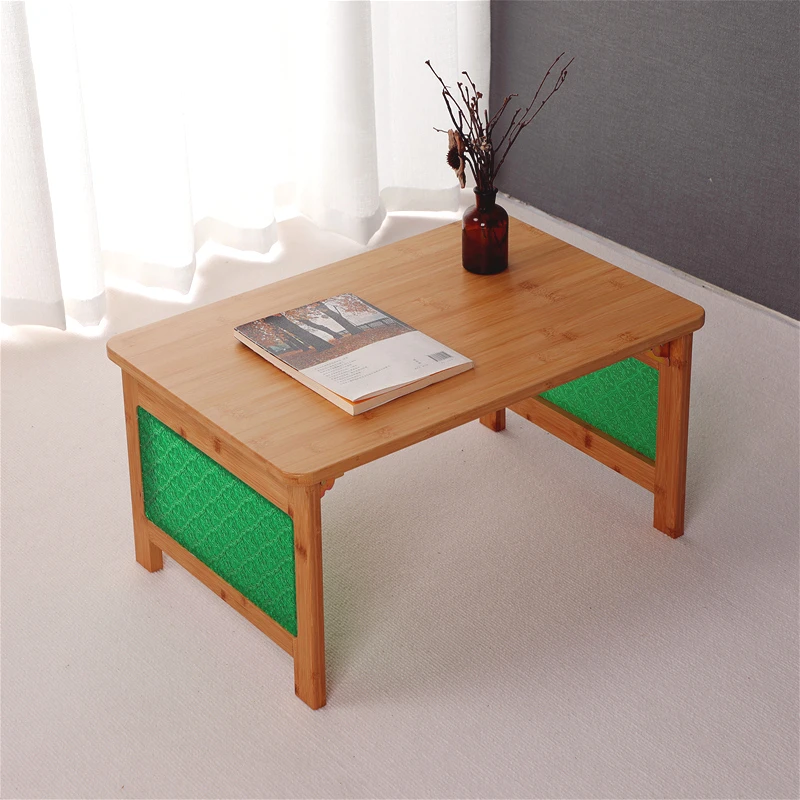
{"x":484,"y":235}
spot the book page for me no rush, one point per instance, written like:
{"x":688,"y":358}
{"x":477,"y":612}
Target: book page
{"x":384,"y":365}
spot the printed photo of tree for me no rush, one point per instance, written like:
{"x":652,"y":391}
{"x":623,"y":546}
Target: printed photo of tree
{"x":318,"y":332}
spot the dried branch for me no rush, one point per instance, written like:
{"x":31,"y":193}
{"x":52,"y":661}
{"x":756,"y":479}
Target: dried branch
{"x":499,"y":113}
{"x":474,"y":129}
{"x":525,"y":120}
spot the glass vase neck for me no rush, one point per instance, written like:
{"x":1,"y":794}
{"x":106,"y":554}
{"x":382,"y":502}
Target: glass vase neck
{"x":485,"y":199}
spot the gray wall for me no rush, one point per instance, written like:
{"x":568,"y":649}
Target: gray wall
{"x":677,"y":132}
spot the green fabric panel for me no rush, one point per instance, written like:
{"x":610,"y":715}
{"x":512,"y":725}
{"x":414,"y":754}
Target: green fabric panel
{"x":620,"y":400}
{"x":231,"y":528}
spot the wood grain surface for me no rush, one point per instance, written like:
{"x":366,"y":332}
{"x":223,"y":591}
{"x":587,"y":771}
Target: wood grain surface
{"x":557,"y":313}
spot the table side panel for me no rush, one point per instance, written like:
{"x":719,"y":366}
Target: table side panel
{"x":237,"y":533}
{"x":620,"y":400}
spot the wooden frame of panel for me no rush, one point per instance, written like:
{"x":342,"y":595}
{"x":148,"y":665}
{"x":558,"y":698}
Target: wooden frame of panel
{"x":302,"y":503}
{"x":666,"y":475}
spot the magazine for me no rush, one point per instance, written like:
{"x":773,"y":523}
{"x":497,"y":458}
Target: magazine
{"x":351,"y":352}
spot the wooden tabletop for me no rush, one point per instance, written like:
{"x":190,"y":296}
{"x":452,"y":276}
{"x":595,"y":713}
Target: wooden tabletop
{"x":557,"y":313}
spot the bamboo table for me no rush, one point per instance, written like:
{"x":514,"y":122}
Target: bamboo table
{"x":229,"y":458}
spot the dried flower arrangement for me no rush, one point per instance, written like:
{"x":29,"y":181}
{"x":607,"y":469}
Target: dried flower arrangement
{"x":470,"y":141}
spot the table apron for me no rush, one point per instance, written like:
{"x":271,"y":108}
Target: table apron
{"x":199,"y":433}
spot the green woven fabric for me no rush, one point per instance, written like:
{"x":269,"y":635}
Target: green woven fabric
{"x":620,"y":400}
{"x":231,"y":528}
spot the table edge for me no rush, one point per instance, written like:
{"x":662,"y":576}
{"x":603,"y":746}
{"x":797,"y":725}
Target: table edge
{"x":337,"y":468}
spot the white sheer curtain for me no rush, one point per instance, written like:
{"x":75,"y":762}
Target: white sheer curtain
{"x":134,"y":132}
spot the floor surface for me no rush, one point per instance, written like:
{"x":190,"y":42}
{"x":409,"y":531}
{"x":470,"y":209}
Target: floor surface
{"x":502,"y":620}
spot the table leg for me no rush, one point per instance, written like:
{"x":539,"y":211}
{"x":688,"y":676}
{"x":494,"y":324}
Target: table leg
{"x":309,"y":646}
{"x":672,"y":438}
{"x":147,"y":554}
{"x":496,"y":421}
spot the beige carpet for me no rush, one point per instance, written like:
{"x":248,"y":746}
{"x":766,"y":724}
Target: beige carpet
{"x":502,"y":621}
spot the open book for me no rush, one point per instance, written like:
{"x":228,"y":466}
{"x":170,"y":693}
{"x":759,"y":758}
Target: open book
{"x":351,"y":352}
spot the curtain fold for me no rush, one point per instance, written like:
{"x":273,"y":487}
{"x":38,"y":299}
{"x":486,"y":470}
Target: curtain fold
{"x":134,"y":133}
{"x":31,"y":285}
